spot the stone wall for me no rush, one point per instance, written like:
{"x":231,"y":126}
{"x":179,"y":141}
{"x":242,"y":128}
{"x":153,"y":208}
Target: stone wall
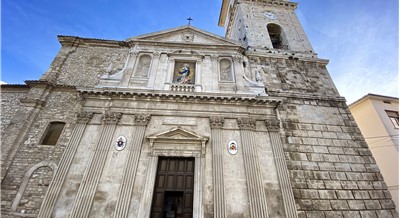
{"x":81,"y":65}
{"x":30,"y":165}
{"x":10,"y":102}
{"x":332,"y":171}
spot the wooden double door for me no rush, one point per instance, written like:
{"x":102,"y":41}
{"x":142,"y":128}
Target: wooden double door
{"x":173,"y":190}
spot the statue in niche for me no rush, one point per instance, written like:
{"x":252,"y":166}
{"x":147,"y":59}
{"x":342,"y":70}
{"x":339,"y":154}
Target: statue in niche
{"x":143,"y":66}
{"x":225,"y":68}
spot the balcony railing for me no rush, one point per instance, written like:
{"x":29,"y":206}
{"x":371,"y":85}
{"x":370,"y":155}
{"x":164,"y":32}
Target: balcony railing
{"x":182,"y":88}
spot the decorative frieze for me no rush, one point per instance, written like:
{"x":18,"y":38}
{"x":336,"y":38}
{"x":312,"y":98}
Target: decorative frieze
{"x":216,"y":122}
{"x":246,"y":123}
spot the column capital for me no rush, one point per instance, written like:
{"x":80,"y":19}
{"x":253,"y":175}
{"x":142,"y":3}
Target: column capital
{"x":246,"y":123}
{"x":156,"y":54}
{"x":237,"y":58}
{"x":133,"y":52}
{"x":216,"y":122}
{"x":272,"y":124}
{"x":111,"y":117}
{"x":142,"y":119}
{"x":84,"y":116}
{"x":214,"y":57}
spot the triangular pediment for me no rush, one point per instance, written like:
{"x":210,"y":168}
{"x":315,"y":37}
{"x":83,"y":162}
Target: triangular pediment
{"x":185,"y":35}
{"x":177,"y":134}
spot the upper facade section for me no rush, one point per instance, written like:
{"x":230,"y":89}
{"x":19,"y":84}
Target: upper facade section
{"x":183,"y":59}
{"x":265,"y":26}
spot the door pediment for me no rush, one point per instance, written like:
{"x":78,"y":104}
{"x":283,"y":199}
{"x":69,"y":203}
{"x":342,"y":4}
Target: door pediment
{"x":177,"y":139}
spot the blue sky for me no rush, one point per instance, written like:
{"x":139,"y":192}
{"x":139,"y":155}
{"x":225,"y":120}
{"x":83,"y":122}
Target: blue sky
{"x":359,"y":37}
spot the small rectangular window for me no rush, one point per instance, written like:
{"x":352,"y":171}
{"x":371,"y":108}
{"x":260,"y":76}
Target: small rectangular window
{"x":53,"y":133}
{"x":394,"y":118}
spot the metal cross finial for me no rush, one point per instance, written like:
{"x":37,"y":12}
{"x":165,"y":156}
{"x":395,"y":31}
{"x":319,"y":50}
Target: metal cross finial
{"x":189,"y":19}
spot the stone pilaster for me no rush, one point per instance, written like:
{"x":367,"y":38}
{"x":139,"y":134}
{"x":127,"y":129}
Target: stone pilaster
{"x":59,"y":177}
{"x":255,"y":188}
{"x":216,"y":124}
{"x":153,"y":69}
{"x":125,"y":191}
{"x":238,"y":70}
{"x":215,"y":70}
{"x":273,"y":126}
{"x":87,"y":189}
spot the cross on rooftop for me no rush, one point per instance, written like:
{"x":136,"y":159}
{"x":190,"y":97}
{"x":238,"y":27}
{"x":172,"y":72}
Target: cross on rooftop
{"x":189,"y":19}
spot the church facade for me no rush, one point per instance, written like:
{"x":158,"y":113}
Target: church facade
{"x":186,"y":123}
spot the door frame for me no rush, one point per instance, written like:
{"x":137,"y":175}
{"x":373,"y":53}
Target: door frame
{"x":176,"y":142}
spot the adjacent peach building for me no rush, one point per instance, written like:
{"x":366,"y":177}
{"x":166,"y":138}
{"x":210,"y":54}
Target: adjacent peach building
{"x":378,"y":119}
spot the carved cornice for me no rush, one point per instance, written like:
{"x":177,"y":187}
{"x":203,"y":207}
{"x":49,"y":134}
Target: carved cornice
{"x":168,"y":96}
{"x":142,"y":119}
{"x":246,"y":123}
{"x":272,"y":124}
{"x":111,"y":117}
{"x":84,"y":116}
{"x":217,"y":122}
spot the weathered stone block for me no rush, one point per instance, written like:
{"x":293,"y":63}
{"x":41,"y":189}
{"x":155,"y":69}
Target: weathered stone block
{"x":377,"y":194}
{"x":320,"y":149}
{"x":326,"y":166}
{"x":309,"y":194}
{"x":321,"y":175}
{"x":351,"y":214}
{"x":354,"y":176}
{"x":335,"y":185}
{"x":315,"y":157}
{"x":387,"y":204}
{"x":321,"y":205}
{"x":356,"y":204}
{"x":327,"y":194}
{"x":342,"y":167}
{"x":315,"y":214}
{"x":368,"y":214}
{"x":333,"y":214}
{"x":344,"y":194}
{"x":349,"y":184}
{"x":338,"y":175}
{"x":384,"y":213}
{"x":365,"y":185}
{"x":339,"y":205}
{"x":302,"y":204}
{"x":361,"y":195}
{"x":372,"y":204}
{"x":315,"y":184}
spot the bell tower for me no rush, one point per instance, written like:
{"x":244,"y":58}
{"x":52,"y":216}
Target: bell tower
{"x":265,"y":26}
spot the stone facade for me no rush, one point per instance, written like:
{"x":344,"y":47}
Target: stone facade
{"x":187,"y":93}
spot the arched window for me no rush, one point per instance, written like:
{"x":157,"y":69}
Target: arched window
{"x":277,"y":36}
{"x":53,"y":133}
{"x":225,"y":70}
{"x":143,"y":66}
